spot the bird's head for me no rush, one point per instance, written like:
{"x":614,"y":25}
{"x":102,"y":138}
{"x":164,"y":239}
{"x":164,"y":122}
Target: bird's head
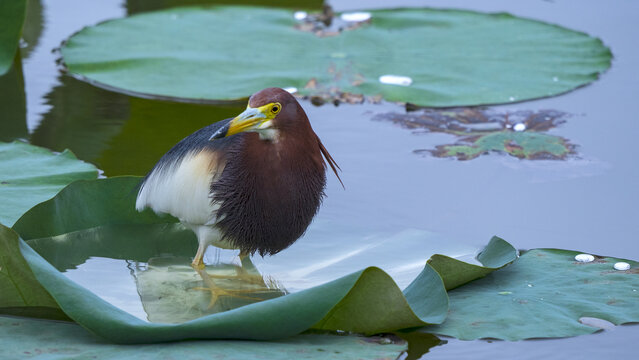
{"x":268,"y":112}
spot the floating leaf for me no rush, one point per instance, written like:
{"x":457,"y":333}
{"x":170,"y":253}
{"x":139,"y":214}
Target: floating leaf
{"x":20,"y":293}
{"x":367,"y":301}
{"x":48,"y":339}
{"x":192,"y":54}
{"x":543,"y":294}
{"x":12,"y":15}
{"x":29,"y":175}
{"x":497,"y":254}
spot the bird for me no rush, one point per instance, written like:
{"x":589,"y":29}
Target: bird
{"x":253,"y":182}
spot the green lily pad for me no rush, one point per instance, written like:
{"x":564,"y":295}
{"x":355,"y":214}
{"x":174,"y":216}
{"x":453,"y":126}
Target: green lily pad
{"x":20,"y":293}
{"x":193,"y":54}
{"x":48,"y":339}
{"x":12,"y":15}
{"x":367,"y":301}
{"x":29,"y":175}
{"x":497,"y":254}
{"x":541,"y":295}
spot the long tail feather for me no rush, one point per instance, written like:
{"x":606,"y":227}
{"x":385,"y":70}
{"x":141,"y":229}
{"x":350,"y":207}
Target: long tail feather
{"x":330,"y":161}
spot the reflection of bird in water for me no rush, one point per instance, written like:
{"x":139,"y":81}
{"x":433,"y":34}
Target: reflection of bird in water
{"x":252,"y":183}
{"x":170,"y":290}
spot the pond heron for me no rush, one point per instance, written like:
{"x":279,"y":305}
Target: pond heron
{"x":252,"y":183}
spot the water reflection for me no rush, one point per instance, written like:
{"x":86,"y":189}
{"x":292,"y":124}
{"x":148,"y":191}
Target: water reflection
{"x":172,"y":292}
{"x":158,"y":257}
{"x":32,"y":29}
{"x":13,"y":124}
{"x":137,"y":6}
{"x":120,"y":134}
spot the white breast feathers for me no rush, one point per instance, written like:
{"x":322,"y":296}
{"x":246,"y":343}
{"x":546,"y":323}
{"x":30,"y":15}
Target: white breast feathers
{"x":182,"y":188}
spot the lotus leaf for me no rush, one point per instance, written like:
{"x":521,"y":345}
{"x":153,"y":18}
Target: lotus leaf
{"x":20,"y":293}
{"x":29,"y":175}
{"x":541,"y":295}
{"x":12,"y":15}
{"x":367,"y":301}
{"x":55,"y":340}
{"x":192,"y":54}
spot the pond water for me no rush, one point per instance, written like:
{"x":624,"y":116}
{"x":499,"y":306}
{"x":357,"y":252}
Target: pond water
{"x":398,"y":207}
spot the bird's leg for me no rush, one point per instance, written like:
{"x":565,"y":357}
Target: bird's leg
{"x":205,"y":236}
{"x":248,"y":272}
{"x":198,"y":262}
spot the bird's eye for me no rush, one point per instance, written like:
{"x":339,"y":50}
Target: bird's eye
{"x":275,"y":109}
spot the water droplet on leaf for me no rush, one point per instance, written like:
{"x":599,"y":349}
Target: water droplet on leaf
{"x":356,"y":16}
{"x":300,"y":15}
{"x":395,"y":80}
{"x":584,"y":258}
{"x":622,"y":266}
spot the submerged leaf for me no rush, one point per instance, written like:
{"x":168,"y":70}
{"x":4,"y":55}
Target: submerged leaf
{"x":192,"y":54}
{"x":523,"y":145}
{"x":518,"y":133}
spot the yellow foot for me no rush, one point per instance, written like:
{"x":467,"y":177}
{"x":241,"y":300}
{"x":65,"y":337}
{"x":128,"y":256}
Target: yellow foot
{"x":217,"y":291}
{"x":198,"y":265}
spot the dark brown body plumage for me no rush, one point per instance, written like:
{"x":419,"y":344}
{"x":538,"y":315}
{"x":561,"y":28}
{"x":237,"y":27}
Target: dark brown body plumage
{"x":265,"y":189}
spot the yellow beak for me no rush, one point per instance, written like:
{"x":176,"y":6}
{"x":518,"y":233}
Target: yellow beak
{"x":250,"y":119}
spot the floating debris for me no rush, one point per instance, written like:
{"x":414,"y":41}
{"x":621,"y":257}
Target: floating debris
{"x":327,"y":24}
{"x":505,"y":292}
{"x":622,"y":266}
{"x":584,"y":258}
{"x":356,"y":16}
{"x":396,"y":80}
{"x":519,"y":127}
{"x":300,"y":15}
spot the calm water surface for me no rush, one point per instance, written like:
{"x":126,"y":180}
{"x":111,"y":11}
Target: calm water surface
{"x":398,"y":208}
